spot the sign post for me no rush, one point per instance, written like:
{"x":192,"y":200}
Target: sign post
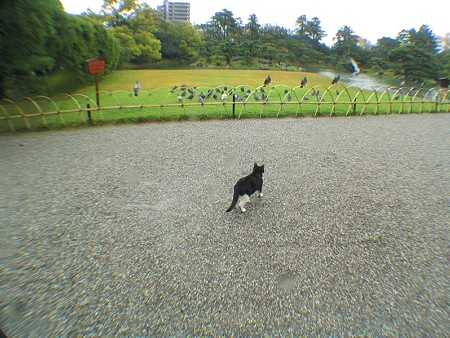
{"x":96,"y":66}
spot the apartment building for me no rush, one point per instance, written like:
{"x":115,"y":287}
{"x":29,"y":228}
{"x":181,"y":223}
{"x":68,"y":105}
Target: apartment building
{"x":175,"y":11}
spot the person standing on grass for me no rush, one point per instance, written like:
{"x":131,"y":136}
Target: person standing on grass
{"x":137,"y":88}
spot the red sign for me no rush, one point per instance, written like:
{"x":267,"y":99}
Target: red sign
{"x":96,"y":66}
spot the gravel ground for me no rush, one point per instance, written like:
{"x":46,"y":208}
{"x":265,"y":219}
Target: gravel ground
{"x":122,"y":231}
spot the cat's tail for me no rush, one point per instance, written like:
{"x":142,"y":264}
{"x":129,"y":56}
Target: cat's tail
{"x":235,"y":199}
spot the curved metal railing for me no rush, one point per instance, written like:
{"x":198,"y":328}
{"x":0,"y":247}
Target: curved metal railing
{"x":218,"y":102}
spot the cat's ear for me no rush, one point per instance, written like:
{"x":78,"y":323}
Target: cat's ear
{"x":255,"y":166}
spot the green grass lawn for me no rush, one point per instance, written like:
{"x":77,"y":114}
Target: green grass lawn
{"x":157,"y":100}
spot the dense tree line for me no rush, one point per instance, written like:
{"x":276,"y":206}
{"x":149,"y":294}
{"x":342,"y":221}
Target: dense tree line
{"x":38,"y":38}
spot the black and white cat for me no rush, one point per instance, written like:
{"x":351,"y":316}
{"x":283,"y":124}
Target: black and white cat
{"x":246,"y":186}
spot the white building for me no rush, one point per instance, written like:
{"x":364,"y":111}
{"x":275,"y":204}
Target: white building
{"x":175,"y":11}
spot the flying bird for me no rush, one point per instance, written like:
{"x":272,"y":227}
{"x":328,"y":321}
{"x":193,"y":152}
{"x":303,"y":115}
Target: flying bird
{"x":336,"y":79}
{"x":267,"y":80}
{"x":355,"y":67}
{"x":304,"y":81}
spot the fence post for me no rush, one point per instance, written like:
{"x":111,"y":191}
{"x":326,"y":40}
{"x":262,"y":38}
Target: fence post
{"x":234,"y":106}
{"x":89,"y":113}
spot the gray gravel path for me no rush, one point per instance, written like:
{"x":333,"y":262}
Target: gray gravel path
{"x":122,"y":231}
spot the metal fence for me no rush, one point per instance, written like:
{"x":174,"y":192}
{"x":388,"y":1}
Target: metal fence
{"x":183,"y":102}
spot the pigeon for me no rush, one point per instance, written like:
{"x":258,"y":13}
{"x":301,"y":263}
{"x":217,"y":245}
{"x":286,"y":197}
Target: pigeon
{"x":257,"y":98}
{"x":267,"y":80}
{"x":304,"y":81}
{"x":238,"y":98}
{"x":190,"y":97}
{"x":224,"y":96}
{"x":355,"y":67}
{"x":242,"y":89}
{"x":180,"y":98}
{"x":336,"y":79}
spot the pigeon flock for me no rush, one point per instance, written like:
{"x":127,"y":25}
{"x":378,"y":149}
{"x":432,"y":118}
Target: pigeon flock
{"x":241,"y":94}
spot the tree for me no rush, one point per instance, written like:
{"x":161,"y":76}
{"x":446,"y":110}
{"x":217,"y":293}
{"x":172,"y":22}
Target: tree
{"x":379,"y":54}
{"x":314,"y":31}
{"x":223,"y":28}
{"x":253,"y":28}
{"x":424,"y":39}
{"x":47,"y":40}
{"x":224,"y":25}
{"x":309,"y":31}
{"x":23,"y":40}
{"x":302,"y":27}
{"x":133,"y":24}
{"x":251,"y":36}
{"x":385,"y":45}
{"x":179,"y":40}
{"x":414,"y":63}
{"x":87,"y":39}
{"x":346,"y":42}
{"x":444,"y":60}
{"x":274,"y":42}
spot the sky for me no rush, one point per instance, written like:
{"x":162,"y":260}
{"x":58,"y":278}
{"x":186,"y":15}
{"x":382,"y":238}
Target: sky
{"x":371,"y":20}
